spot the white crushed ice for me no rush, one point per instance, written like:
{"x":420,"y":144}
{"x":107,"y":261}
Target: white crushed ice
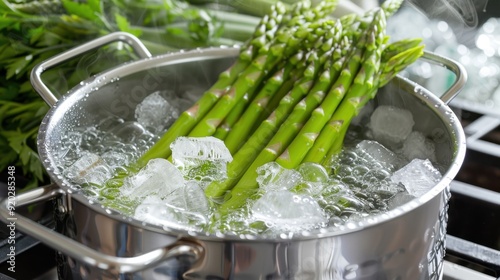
{"x":185,"y":208}
{"x":273,"y":177}
{"x":376,"y":154}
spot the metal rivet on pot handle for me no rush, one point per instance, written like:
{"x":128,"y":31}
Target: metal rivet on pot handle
{"x":81,"y":252}
{"x":453,"y":66}
{"x":44,"y":91}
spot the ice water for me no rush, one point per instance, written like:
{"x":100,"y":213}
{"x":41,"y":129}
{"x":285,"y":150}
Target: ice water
{"x":382,"y":166}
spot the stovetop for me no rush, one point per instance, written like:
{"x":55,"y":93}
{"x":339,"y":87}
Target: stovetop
{"x":473,"y":234}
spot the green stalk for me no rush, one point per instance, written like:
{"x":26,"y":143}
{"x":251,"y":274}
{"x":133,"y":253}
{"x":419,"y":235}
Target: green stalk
{"x":266,"y":130}
{"x":363,"y":85}
{"x":247,"y":184}
{"x":360,"y":69}
{"x":189,"y":118}
{"x":245,"y":121}
{"x":266,"y":100}
{"x":246,"y":106}
{"x":394,"y":59}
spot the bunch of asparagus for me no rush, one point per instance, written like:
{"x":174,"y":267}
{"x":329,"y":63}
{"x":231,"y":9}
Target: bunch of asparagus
{"x":291,"y":93}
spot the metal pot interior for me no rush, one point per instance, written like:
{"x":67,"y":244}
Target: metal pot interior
{"x":118,"y":91}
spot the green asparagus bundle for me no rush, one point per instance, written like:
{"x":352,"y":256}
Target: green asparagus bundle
{"x":291,"y":93}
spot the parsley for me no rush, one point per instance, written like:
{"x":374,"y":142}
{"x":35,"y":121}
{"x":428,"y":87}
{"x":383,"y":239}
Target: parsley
{"x":33,"y":31}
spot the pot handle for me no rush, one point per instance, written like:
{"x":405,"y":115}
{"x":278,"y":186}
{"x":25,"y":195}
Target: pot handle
{"x":79,"y":251}
{"x":455,"y":67}
{"x":44,"y":91}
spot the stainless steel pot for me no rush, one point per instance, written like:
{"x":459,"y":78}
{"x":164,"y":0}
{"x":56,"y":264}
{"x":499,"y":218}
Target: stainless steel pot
{"x":98,"y":243}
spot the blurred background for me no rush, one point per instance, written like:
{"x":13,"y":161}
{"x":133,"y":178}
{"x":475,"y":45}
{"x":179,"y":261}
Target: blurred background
{"x":465,"y":30}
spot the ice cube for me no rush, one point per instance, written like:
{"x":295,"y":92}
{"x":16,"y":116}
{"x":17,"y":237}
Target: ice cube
{"x":391,"y":125}
{"x":399,"y":199}
{"x":185,"y":208}
{"x":159,"y":177}
{"x":155,"y":113}
{"x":155,"y":211}
{"x":190,"y":198}
{"x":284,"y":210}
{"x":88,"y":169}
{"x":201,"y":158}
{"x":417,"y":145}
{"x":418,"y":176}
{"x":374,"y":152}
{"x":272,"y":176}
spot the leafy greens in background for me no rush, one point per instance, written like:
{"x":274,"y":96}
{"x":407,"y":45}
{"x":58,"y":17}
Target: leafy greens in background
{"x":33,"y":31}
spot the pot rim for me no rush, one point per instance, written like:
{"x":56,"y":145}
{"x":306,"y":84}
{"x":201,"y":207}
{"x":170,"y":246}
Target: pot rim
{"x":120,"y":71}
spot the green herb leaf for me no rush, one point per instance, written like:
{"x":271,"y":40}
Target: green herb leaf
{"x":95,"y":5}
{"x":80,"y":9}
{"x":124,"y":25}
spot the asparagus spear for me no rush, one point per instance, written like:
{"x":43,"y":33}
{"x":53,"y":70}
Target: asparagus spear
{"x":300,"y":32}
{"x":395,"y":57}
{"x":350,"y":107}
{"x":270,"y":88}
{"x":249,"y":151}
{"x":266,"y":28}
{"x":247,"y":184}
{"x":257,"y":108}
{"x":367,"y":64}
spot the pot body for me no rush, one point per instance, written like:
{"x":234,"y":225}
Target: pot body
{"x":404,"y":243}
{"x":411,"y":246}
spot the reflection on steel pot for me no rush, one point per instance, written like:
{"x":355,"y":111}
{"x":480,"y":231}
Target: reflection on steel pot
{"x":97,"y":243}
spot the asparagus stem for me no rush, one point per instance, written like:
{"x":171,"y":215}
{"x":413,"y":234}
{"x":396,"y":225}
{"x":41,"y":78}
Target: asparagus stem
{"x":363,"y":85}
{"x":300,"y":31}
{"x":330,"y":141}
{"x":266,"y":28}
{"x":249,"y":151}
{"x":243,"y":125}
{"x":359,"y":71}
{"x":280,"y":140}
